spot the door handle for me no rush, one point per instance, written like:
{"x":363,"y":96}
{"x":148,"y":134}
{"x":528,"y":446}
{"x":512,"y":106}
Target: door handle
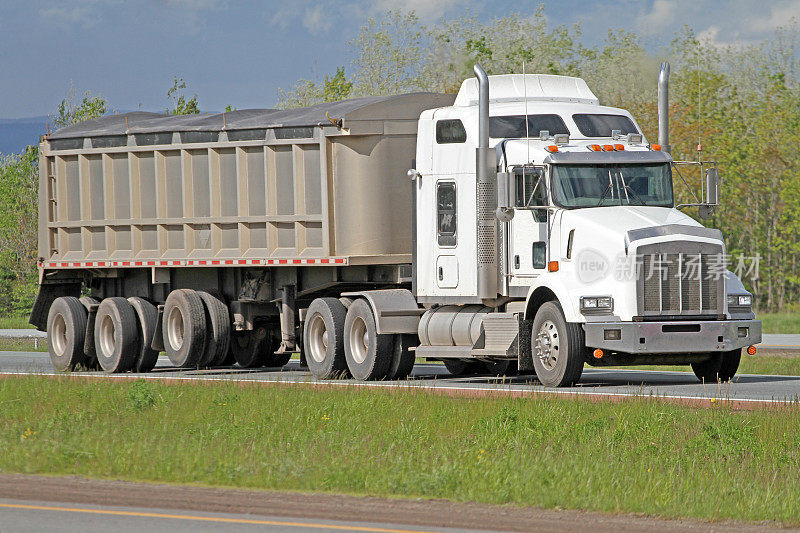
{"x":441,"y":274}
{"x":516,"y":261}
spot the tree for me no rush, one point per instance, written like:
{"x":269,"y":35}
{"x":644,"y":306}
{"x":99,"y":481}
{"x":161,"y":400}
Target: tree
{"x":180,"y":104}
{"x":307,"y":92}
{"x":71,"y":110}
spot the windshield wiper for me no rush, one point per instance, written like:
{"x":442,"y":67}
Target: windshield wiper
{"x":627,"y":188}
{"x":609,"y":188}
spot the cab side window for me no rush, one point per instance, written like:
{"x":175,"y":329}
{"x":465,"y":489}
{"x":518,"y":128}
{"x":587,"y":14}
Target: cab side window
{"x":530,"y":190}
{"x":450,"y":132}
{"x":446,"y":213}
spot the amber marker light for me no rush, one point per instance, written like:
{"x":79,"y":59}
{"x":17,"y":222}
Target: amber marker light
{"x":552,"y":148}
{"x":598,"y":354}
{"x":594,"y":147}
{"x":656,"y":147}
{"x":552,"y":266}
{"x":619,"y":147}
{"x":608,"y":147}
{"x":751,"y":350}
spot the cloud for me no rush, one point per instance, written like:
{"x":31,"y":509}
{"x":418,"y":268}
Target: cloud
{"x":779,"y":15}
{"x":426,"y":10}
{"x":77,"y":12}
{"x":316,"y":19}
{"x":662,"y":14}
{"x":193,"y":5}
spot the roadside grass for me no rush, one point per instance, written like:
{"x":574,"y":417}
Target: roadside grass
{"x":14,"y":322}
{"x":638,"y":455}
{"x":777,"y":364}
{"x":780,"y":322}
{"x":23,"y":345}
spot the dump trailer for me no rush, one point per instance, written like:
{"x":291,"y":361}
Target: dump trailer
{"x":536,"y":231}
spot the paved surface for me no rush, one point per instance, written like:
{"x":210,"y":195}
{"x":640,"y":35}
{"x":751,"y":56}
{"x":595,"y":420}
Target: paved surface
{"x":22,"y":334}
{"x":45,"y":503}
{"x":780,"y":341}
{"x":596,"y":382}
{"x":37,"y":516}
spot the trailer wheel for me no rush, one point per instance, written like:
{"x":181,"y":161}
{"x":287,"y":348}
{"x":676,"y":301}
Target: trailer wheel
{"x":88,"y":344}
{"x":147,"y":314}
{"x":184,"y":328}
{"x":66,"y":328}
{"x":558,"y":347}
{"x":323,"y":338}
{"x":368,"y":354}
{"x":116,"y":335}
{"x":218,"y":320}
{"x":402,"y":357}
{"x":461,"y":367}
{"x":251,"y":349}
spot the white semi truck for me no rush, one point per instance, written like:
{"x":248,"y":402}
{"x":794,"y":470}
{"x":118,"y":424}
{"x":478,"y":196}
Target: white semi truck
{"x":538,"y":232}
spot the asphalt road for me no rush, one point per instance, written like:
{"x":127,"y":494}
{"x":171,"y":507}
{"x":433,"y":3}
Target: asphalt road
{"x":35,"y":516}
{"x":596,"y":382}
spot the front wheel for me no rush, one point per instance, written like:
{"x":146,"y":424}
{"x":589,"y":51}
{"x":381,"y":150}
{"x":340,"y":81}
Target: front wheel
{"x":719,"y":367}
{"x":557,"y":346}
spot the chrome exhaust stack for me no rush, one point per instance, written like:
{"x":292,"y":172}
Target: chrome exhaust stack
{"x":486,"y":173}
{"x":663,"y":108}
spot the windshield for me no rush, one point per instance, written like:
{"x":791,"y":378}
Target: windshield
{"x":604,"y":185}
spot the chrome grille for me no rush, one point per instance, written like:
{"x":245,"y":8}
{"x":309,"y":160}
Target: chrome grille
{"x":680,"y":279}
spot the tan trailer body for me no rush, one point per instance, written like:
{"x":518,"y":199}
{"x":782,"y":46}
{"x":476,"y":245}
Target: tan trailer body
{"x":141,"y":189}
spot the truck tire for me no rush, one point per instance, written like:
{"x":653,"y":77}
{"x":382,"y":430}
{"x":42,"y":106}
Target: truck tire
{"x":402,"y":357}
{"x":557,"y":346}
{"x":218,"y":320}
{"x":184,"y":328}
{"x":720,"y":367}
{"x":278,"y":360}
{"x":464,"y":367}
{"x":147,"y":314}
{"x":88,"y":344}
{"x":251,"y":349}
{"x":368,"y":354}
{"x":66,"y":328}
{"x":323,"y":338}
{"x":116,"y":335}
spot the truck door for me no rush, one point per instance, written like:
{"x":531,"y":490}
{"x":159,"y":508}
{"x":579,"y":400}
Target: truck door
{"x":446,"y":235}
{"x":528,"y":229}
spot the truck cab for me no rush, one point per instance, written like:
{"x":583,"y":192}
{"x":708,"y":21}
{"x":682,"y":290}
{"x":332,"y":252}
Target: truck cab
{"x":592,"y":254}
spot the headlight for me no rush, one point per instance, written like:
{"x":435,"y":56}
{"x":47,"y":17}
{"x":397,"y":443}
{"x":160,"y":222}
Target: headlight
{"x":740,"y":300}
{"x":597,"y":303}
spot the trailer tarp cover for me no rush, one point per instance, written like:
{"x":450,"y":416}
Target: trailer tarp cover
{"x":147,"y":122}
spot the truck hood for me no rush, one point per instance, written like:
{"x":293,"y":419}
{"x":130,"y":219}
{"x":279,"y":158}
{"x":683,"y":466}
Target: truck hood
{"x":614,"y":222}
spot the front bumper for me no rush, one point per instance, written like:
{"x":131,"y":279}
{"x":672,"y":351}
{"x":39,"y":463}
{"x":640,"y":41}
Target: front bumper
{"x":674,"y":337}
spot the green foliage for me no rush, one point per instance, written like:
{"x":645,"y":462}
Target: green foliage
{"x":639,"y":455}
{"x":71,"y":110}
{"x":307,"y":92}
{"x":180,"y":104}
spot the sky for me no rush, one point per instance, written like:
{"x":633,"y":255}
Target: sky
{"x":239,"y":52}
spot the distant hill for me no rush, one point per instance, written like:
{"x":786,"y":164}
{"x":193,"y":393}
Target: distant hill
{"x":17,"y":133}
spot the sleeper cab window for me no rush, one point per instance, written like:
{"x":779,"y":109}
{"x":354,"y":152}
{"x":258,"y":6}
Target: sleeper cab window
{"x":539,"y":255}
{"x":450,"y":131}
{"x":446,"y":213}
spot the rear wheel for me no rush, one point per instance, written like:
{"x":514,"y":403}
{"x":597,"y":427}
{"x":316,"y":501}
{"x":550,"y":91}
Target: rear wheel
{"x":147,"y":314}
{"x":251,"y":349}
{"x":88,"y":347}
{"x":558,"y":347}
{"x":66,"y":328}
{"x":218,"y":321}
{"x":184,"y":328}
{"x":368,"y":354}
{"x":402,"y":357}
{"x":323,"y":338}
{"x":116,"y":335}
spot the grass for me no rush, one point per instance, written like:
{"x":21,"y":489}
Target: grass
{"x":779,"y":365}
{"x":780,"y":322}
{"x":22,"y":345}
{"x":14,"y":322}
{"x":638,"y":455}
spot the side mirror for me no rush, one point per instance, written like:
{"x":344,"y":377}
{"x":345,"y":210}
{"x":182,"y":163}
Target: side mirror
{"x":712,"y":187}
{"x":505,"y":202}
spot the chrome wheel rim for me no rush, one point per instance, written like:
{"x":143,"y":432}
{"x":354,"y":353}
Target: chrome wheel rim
{"x":547,"y":345}
{"x":59,"y":336}
{"x":107,"y":331}
{"x":318,"y":338}
{"x":359,"y":340}
{"x":175,"y":329}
